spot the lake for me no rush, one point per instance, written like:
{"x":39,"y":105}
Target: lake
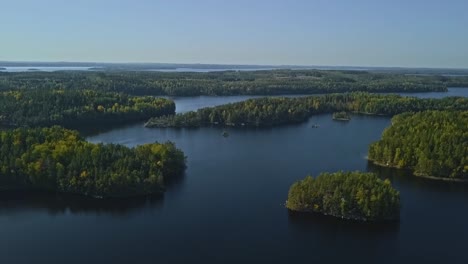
{"x":451,"y":92}
{"x":185,"y":104}
{"x":44,"y":68}
{"x":228,"y":208}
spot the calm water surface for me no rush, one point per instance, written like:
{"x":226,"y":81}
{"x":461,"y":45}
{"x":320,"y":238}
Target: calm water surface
{"x":229,"y":206}
{"x":451,"y":92}
{"x":185,"y":104}
{"x":44,"y":69}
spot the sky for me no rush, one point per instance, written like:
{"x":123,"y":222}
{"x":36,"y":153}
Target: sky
{"x":410,"y":33}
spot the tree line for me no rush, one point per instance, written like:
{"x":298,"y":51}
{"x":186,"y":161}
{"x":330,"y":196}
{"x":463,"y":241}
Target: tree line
{"x":432,"y":143}
{"x":76,"y":108}
{"x":350,"y":195}
{"x":268,"y":82}
{"x":279,"y":111}
{"x":57,"y":159}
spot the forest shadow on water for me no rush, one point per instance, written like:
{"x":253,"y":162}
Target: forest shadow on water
{"x":305,"y":221}
{"x":89,"y":131}
{"x":406,"y":178}
{"x":332,"y":240}
{"x":61,"y":203}
{"x":57,"y":204}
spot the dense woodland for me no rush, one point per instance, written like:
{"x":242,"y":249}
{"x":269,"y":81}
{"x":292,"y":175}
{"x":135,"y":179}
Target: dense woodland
{"x":56,"y":159}
{"x":271,"y":82}
{"x":77,"y":108}
{"x":432,"y":143}
{"x":350,"y":195}
{"x":279,"y":111}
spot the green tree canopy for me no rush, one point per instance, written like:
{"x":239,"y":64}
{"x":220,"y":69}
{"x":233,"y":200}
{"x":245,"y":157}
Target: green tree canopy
{"x":432,"y":143}
{"x":57,"y":159}
{"x":350,"y":195}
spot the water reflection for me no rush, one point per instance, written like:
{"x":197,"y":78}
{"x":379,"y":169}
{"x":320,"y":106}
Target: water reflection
{"x":60,"y":203}
{"x":402,"y":177}
{"x":313,"y":221}
{"x":57,"y":204}
{"x":91,"y":131}
{"x":339,"y":241}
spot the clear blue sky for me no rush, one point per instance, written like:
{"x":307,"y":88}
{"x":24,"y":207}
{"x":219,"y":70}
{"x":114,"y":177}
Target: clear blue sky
{"x":413,"y":33}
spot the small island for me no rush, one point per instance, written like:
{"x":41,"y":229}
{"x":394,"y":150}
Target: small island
{"x":60,"y":160}
{"x":348,"y":195}
{"x":433,"y":144}
{"x":341,"y":116}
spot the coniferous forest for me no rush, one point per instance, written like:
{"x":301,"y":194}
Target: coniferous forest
{"x":267,"y":82}
{"x":432,"y":143}
{"x":77,"y":108}
{"x":279,"y":111}
{"x":350,"y":195}
{"x":57,"y":159}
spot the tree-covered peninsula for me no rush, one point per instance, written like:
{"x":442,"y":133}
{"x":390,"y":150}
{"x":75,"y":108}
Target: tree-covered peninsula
{"x":266,"y":82}
{"x":77,"y":108}
{"x":349,"y":195}
{"x":432,"y":143}
{"x":279,"y":111}
{"x":59,"y":160}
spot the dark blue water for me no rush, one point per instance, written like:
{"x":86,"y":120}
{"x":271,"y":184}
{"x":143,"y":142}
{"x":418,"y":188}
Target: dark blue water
{"x":229,"y":206}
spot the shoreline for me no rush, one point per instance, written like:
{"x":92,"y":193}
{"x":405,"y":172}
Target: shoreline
{"x":341,"y":217}
{"x":159,"y":192}
{"x":420,"y":175}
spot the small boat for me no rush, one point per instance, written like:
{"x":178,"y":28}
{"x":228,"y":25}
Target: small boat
{"x":225,"y":134}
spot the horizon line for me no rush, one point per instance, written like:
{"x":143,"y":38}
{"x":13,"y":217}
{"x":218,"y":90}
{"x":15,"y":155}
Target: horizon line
{"x":228,"y":64}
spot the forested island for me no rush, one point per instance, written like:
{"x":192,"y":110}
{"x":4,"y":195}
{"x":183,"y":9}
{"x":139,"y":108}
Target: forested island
{"x":432,"y":143}
{"x":77,"y":108}
{"x":262,"y":82}
{"x":349,"y":195}
{"x":341,"y":116}
{"x":60,"y":160}
{"x":279,"y":111}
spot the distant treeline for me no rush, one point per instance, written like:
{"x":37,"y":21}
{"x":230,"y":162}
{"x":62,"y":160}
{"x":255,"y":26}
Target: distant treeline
{"x":56,"y":159}
{"x":432,"y":143}
{"x":267,"y":82}
{"x":77,"y":108}
{"x":279,"y":111}
{"x":349,"y":195}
